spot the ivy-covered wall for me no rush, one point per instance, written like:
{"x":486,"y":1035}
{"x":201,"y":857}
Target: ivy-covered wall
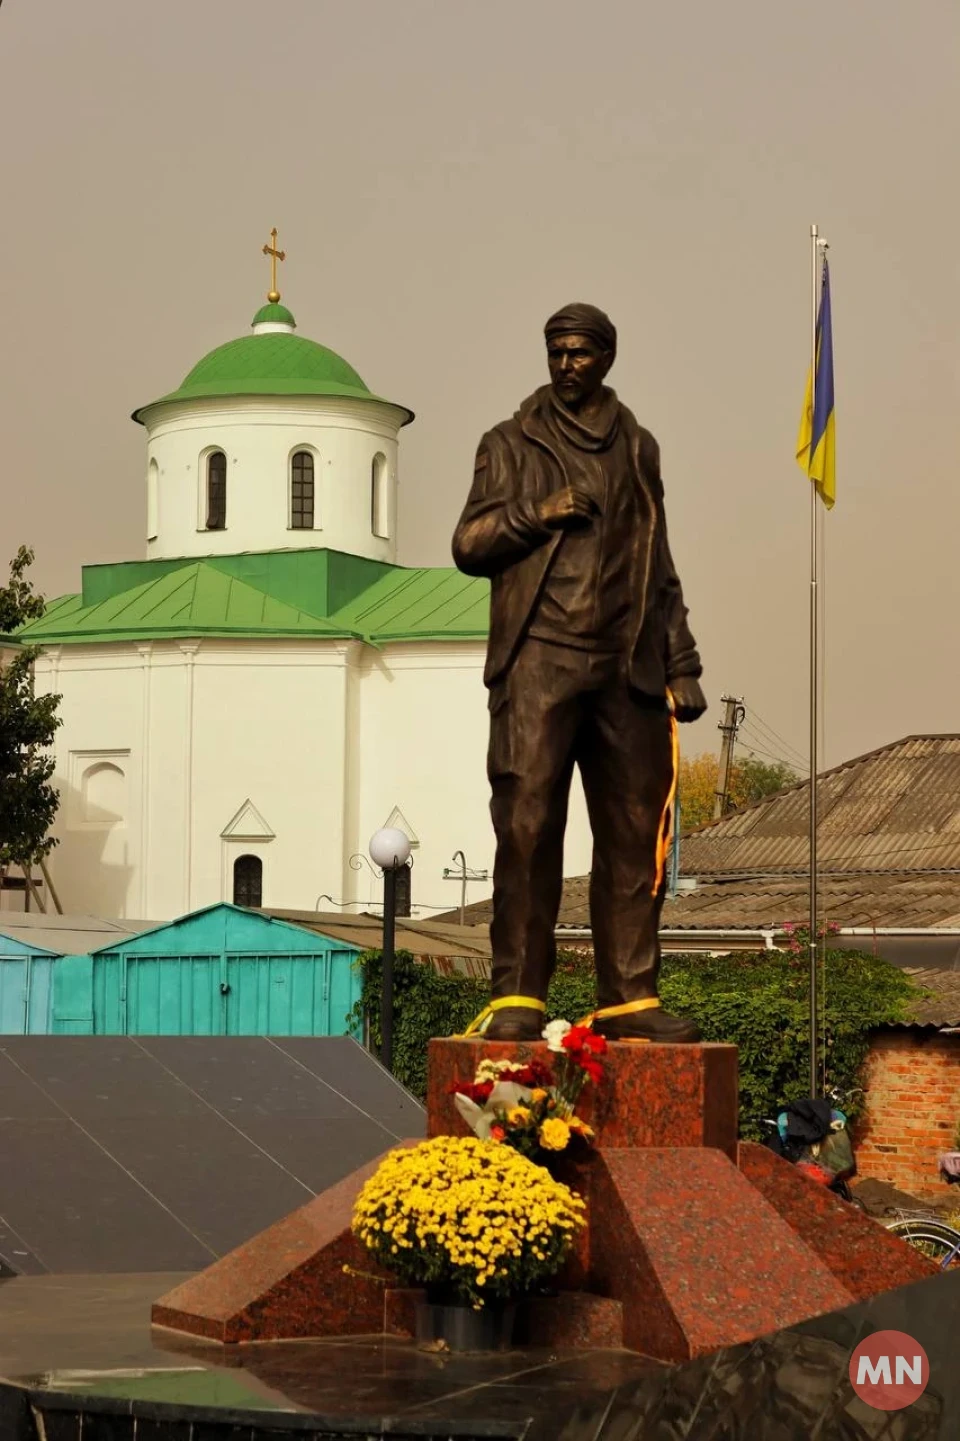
{"x":758,"y":1001}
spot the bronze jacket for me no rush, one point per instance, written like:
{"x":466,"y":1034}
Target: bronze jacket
{"x":500,"y":537}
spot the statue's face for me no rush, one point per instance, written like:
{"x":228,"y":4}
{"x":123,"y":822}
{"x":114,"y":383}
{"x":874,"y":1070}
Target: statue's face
{"x":578,"y":368}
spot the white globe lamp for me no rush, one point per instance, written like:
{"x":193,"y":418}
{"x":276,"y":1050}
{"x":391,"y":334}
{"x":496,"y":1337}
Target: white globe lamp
{"x":390,"y":848}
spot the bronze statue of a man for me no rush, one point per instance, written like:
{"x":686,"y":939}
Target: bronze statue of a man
{"x":589,"y":662}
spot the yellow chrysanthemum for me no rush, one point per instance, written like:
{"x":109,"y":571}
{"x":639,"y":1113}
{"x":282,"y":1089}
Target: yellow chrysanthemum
{"x":477,"y":1216}
{"x":554,"y":1134}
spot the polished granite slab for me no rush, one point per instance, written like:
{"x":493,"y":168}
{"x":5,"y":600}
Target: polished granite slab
{"x":126,"y":1152}
{"x":81,"y":1364}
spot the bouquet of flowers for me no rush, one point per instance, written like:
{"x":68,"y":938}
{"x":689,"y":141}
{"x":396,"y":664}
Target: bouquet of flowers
{"x":468,"y":1220}
{"x":530,"y":1106}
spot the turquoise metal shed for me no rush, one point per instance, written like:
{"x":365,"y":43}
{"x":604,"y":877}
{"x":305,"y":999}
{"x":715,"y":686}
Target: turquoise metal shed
{"x":26,"y":988}
{"x":222,"y":971}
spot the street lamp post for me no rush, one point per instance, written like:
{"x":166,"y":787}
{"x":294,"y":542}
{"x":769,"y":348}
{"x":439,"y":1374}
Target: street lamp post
{"x":389,"y":849}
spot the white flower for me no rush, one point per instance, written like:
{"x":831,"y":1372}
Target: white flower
{"x":554,"y":1033}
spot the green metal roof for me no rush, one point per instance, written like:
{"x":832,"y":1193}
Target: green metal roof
{"x":276,"y":363}
{"x":275,"y":314}
{"x":421,"y":605}
{"x":316,"y":580}
{"x":298,"y":594}
{"x":194,"y":601}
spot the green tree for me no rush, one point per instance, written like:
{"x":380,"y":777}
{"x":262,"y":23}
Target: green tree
{"x":750,"y":780}
{"x":28,"y":802}
{"x":753,"y":779}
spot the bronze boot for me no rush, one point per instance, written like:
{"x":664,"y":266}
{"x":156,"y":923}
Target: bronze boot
{"x":649,"y":1023}
{"x":515,"y":1023}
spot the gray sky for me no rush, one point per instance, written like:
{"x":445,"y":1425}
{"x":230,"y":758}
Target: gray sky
{"x":443,"y":175}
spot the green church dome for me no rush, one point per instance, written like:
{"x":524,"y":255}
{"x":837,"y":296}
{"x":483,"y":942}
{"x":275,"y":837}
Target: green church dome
{"x":273,"y":362}
{"x":274,"y":314}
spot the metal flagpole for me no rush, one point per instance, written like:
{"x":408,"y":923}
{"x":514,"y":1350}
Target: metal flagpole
{"x":814,"y":684}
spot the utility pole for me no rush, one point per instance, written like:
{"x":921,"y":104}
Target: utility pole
{"x":732,"y":720}
{"x":463,"y":875}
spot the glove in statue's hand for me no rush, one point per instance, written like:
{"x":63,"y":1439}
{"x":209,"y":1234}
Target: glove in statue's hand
{"x":689,"y":700}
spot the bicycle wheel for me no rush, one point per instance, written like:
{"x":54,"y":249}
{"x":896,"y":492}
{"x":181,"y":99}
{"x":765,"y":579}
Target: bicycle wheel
{"x":935,"y":1239}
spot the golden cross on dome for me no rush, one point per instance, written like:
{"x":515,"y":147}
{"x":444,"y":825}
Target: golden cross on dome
{"x":273,"y":295}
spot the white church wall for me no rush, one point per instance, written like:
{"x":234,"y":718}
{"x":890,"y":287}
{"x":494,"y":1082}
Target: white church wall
{"x":259,"y":437}
{"x":175,"y":758}
{"x":423,"y":745}
{"x":268,"y":729}
{"x":96,"y":865}
{"x":166,"y":702}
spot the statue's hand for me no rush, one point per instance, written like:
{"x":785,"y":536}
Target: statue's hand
{"x":689,"y":701}
{"x":565,"y":508}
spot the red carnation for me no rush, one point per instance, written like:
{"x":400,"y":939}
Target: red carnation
{"x":576,"y":1039}
{"x":476,"y":1091}
{"x":536,"y":1074}
{"x":584,"y":1046}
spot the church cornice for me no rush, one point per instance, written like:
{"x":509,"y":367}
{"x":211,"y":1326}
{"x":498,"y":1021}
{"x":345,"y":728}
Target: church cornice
{"x":373,"y":416}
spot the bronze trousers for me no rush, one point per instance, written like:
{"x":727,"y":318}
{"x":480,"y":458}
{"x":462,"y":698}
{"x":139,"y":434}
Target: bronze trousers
{"x":555,"y":708}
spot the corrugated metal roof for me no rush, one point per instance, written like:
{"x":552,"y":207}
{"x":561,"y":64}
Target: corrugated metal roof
{"x":942,"y":1007}
{"x":68,"y":935}
{"x":882,"y":901}
{"x":896,"y":809}
{"x":422,"y":938}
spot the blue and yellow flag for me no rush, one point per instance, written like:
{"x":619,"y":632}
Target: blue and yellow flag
{"x":816,"y":441}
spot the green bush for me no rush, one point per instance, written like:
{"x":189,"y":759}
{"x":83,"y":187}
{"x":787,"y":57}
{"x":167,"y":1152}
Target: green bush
{"x":758,"y":1001}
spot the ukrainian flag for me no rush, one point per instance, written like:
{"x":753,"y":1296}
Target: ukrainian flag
{"x":816,"y":441}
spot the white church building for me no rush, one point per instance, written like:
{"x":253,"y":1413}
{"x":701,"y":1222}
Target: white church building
{"x":247,"y":704}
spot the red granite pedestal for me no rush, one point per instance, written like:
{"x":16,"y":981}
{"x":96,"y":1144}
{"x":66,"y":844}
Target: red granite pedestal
{"x":693,"y":1241}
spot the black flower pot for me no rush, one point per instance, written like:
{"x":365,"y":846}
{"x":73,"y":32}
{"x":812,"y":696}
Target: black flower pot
{"x":460,"y":1328}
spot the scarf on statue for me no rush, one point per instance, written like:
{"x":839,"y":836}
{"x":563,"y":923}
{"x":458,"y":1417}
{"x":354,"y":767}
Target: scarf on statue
{"x":544,"y":416}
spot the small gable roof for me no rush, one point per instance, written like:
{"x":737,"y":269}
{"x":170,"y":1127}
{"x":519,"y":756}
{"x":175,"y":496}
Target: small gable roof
{"x":226,"y":927}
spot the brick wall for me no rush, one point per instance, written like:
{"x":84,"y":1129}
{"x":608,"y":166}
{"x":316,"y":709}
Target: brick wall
{"x":912,"y":1083}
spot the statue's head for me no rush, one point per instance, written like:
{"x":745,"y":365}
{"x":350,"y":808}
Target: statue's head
{"x":581,"y":347}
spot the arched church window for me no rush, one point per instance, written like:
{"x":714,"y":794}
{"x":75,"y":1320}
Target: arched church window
{"x":301,"y":491}
{"x":216,"y":490}
{"x":248,"y":881}
{"x":380,"y":498}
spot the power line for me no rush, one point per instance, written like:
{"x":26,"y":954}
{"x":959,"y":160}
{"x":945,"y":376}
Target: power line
{"x":760,"y":743}
{"x":773,"y":737}
{"x":752,"y":744}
